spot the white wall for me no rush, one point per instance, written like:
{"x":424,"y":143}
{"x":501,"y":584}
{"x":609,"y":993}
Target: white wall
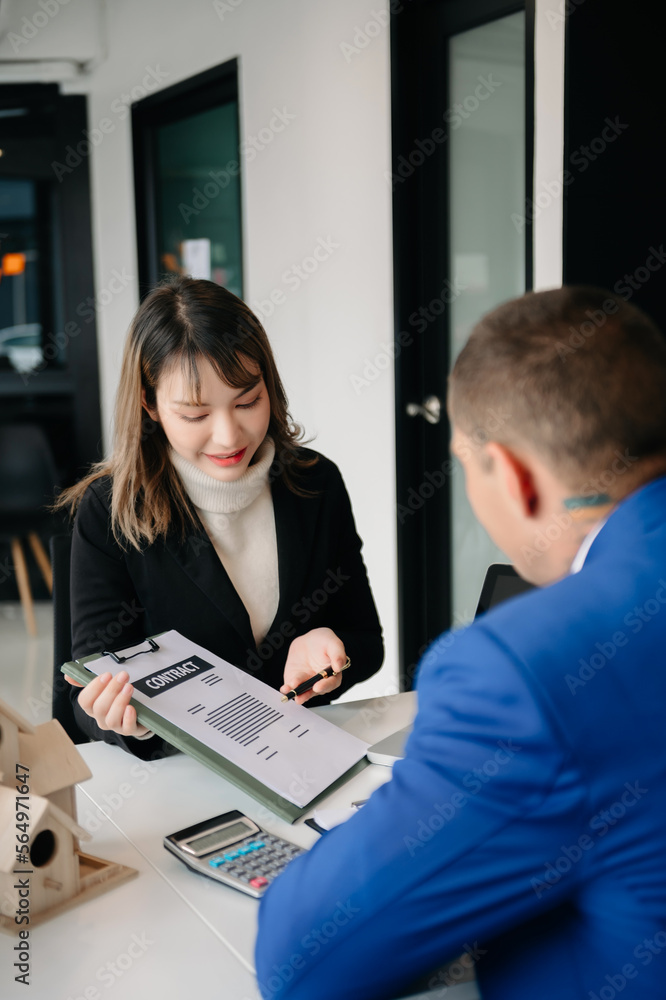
{"x":322,"y":177}
{"x":38,"y":40}
{"x":548,"y":142}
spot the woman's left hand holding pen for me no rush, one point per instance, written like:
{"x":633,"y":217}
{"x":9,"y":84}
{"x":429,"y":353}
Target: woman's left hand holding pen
{"x":310,"y":653}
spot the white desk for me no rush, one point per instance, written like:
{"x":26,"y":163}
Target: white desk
{"x":169,"y":932}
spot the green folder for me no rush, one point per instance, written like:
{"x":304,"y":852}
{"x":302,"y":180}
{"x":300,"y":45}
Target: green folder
{"x":206,"y":755}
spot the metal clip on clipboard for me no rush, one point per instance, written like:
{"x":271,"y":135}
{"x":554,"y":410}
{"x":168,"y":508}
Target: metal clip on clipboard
{"x":119,"y":658}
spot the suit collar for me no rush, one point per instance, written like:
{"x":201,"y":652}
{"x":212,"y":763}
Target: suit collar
{"x":640,"y":513}
{"x":295,"y":526}
{"x":197,"y":557}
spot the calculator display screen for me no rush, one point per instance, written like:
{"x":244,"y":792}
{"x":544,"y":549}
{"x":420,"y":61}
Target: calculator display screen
{"x":220,"y":837}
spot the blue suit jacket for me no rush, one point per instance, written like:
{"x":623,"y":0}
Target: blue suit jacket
{"x":527,"y":822}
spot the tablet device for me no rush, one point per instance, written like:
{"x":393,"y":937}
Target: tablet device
{"x":501,"y":582}
{"x":390,"y":749}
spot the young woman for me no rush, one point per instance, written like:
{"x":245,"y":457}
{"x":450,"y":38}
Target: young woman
{"x":210,"y":519}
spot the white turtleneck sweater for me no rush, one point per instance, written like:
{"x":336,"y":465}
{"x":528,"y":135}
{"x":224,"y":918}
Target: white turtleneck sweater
{"x":239,"y":520}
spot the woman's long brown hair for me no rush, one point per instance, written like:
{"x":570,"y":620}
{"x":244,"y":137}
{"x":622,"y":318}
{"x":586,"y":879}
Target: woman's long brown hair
{"x":182,"y":321}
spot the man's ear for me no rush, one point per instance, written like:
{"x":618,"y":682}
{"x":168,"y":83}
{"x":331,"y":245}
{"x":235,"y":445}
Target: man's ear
{"x":517,"y":477}
{"x":151,"y":413}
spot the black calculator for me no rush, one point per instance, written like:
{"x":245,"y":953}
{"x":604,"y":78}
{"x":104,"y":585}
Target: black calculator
{"x":232,"y":849}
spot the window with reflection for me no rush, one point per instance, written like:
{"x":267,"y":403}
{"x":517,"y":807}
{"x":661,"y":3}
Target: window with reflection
{"x":25,"y":275}
{"x":188,"y":183}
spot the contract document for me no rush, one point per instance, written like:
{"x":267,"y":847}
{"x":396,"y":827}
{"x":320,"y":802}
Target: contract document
{"x":287,"y":748}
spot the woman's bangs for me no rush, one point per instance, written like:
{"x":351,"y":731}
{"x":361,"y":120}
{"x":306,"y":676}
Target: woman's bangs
{"x":236,"y":371}
{"x":239,"y":371}
{"x":190,"y":374}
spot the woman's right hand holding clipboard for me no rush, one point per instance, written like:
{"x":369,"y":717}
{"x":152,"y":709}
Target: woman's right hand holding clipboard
{"x":106,"y":699}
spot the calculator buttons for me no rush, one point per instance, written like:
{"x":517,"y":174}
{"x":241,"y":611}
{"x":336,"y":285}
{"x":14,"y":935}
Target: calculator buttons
{"x":251,"y":864}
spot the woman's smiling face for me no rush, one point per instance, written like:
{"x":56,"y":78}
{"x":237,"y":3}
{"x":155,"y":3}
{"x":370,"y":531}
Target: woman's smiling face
{"x":219,"y":435}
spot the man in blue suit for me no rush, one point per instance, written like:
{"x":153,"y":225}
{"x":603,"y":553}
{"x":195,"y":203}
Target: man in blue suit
{"x":526,"y":825}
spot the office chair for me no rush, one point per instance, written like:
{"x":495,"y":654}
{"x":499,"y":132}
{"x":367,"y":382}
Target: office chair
{"x":61,"y":546}
{"x":27,"y":482}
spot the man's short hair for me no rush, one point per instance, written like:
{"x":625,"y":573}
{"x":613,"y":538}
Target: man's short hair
{"x":576,"y":373}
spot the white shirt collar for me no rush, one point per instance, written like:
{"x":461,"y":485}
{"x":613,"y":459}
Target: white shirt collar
{"x":581,"y":555}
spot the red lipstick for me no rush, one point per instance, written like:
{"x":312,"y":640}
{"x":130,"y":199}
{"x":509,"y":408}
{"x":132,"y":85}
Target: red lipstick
{"x":224,"y":461}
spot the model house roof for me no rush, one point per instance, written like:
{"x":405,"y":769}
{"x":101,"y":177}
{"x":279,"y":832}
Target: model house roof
{"x":51,"y":758}
{"x":8,"y":712}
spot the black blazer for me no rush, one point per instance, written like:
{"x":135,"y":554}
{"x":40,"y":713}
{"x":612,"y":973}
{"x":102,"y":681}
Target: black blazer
{"x":119,"y":597}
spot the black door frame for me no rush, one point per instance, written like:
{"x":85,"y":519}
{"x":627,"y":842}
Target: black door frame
{"x":198,"y":93}
{"x":614,"y":203}
{"x":45,"y":139}
{"x":420,"y":185}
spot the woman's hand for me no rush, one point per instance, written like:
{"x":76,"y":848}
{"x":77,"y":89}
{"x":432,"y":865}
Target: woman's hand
{"x":310,"y":653}
{"x":106,"y":700}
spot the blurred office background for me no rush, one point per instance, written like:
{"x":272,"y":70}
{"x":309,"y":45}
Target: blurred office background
{"x":370,"y":177}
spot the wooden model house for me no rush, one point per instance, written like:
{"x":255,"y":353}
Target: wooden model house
{"x":41,"y":826}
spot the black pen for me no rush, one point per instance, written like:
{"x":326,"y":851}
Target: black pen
{"x":311,"y":681}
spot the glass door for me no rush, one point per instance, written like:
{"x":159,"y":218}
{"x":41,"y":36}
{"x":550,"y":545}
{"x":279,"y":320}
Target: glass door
{"x":462,"y":98}
{"x":486,"y":244}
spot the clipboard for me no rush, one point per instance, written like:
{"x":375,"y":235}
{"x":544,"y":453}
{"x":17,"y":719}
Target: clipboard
{"x":200,"y":751}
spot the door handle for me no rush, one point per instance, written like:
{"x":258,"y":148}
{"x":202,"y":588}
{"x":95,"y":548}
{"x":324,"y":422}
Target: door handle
{"x":430,"y":410}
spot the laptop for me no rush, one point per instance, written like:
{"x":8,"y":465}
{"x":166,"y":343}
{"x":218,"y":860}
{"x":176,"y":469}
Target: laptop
{"x":501,"y":583}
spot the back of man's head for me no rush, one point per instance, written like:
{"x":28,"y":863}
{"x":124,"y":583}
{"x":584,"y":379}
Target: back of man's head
{"x":576,"y":374}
